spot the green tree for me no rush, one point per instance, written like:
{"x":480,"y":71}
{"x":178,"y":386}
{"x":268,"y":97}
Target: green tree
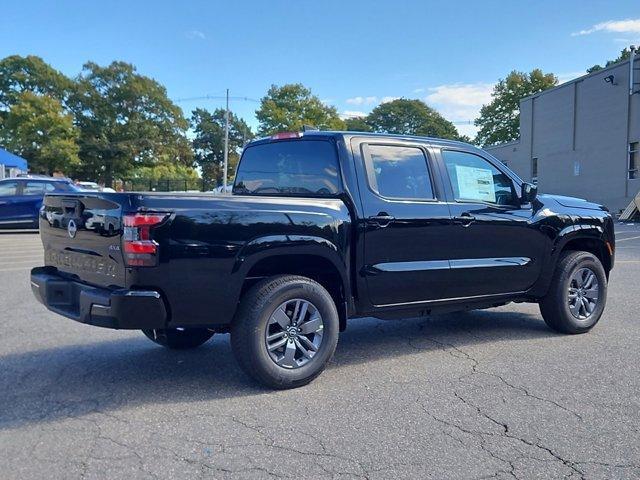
{"x":30,"y":74}
{"x":625,"y":53}
{"x":410,"y":117}
{"x":166,"y":171}
{"x":208,"y":142}
{"x":290,"y":107}
{"x":499,"y":121}
{"x":38,"y":129}
{"x":357,"y":124}
{"x":126,"y":122}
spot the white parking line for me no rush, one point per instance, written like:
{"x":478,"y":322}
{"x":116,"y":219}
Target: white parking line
{"x":16,"y":269}
{"x":625,"y":239}
{"x":14,"y":257}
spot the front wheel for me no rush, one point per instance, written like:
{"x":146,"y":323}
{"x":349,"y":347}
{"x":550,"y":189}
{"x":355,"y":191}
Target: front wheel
{"x":577,"y":295}
{"x":179,"y":338}
{"x":285,"y":331}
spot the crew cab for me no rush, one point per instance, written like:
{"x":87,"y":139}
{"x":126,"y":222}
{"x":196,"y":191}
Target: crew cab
{"x":322,"y":228}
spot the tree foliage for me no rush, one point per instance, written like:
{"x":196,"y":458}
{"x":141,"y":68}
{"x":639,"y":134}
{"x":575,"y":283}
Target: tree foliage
{"x":208,"y":142}
{"x":290,"y":107}
{"x":33,"y":121}
{"x":38,"y":129}
{"x":30,"y":74}
{"x":357,"y":124}
{"x":165,"y":171}
{"x":410,"y":117}
{"x":126,"y":122}
{"x":625,"y":53}
{"x":499,"y":121}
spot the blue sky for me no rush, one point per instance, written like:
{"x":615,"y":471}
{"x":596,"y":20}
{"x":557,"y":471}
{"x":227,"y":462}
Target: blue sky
{"x":352,"y":54}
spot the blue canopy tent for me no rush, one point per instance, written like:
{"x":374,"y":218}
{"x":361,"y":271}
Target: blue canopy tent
{"x":9,"y":161}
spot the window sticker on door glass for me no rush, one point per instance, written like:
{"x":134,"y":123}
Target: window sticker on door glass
{"x":475,"y":183}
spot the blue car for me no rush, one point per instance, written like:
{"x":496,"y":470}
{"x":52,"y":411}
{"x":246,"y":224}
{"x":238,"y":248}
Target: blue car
{"x":21,"y":198}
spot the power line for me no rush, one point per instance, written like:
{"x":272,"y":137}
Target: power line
{"x":217,"y":97}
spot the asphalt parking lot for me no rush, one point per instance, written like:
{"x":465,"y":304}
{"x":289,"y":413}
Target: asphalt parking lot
{"x":490,"y":394}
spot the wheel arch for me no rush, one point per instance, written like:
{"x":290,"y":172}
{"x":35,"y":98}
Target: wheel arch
{"x":586,"y":238}
{"x":594,"y":245}
{"x":311,"y":257}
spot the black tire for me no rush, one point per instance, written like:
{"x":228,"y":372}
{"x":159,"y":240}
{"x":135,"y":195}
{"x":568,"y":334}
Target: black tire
{"x":182,"y":339}
{"x":555,"y":305}
{"x":248,"y":330}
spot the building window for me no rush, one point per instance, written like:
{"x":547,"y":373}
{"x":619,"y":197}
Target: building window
{"x":634,"y":160}
{"x":534,"y":170}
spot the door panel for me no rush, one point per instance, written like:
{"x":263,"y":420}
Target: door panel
{"x":27,"y":204}
{"x":494,"y":245}
{"x":405,"y":223}
{"x":8,"y":197}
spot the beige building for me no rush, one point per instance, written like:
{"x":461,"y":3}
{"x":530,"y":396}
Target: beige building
{"x":582,"y":138}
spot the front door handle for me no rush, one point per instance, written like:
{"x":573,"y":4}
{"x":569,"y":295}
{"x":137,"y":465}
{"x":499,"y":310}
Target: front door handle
{"x":383,"y":219}
{"x":464,"y":219}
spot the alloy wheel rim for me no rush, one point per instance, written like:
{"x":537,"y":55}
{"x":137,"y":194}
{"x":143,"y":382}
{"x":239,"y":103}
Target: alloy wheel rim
{"x":294,"y":333}
{"x":583,"y":293}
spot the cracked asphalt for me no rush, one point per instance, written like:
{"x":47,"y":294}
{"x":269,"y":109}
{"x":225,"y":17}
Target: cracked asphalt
{"x":487,"y":394}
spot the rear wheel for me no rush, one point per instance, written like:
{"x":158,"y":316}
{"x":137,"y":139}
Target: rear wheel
{"x":179,"y":338}
{"x":285,"y":332}
{"x":577,"y":295}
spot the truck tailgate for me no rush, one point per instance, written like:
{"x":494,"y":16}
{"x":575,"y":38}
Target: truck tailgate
{"x":81,"y":235}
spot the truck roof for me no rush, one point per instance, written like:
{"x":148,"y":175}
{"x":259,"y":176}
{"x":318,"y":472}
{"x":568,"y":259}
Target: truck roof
{"x":346,"y":134}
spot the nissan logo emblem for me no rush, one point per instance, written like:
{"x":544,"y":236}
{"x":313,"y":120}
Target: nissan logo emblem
{"x":72,"y":228}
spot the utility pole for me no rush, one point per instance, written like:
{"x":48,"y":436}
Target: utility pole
{"x":226,"y":146}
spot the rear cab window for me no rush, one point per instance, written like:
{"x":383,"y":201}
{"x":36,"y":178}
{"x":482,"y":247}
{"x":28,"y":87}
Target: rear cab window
{"x":306,"y":167}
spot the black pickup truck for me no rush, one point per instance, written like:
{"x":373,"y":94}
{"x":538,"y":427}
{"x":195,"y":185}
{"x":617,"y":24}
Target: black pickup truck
{"x":323,"y":227}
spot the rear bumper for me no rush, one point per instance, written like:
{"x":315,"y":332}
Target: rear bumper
{"x":121,"y":309}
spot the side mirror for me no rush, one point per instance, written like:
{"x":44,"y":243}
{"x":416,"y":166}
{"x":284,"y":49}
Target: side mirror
{"x":528,"y":193}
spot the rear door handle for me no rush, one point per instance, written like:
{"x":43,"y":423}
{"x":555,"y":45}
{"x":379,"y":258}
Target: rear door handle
{"x":464,"y":219}
{"x":383,"y":219}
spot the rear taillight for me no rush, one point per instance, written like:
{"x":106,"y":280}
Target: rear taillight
{"x":139,"y":249}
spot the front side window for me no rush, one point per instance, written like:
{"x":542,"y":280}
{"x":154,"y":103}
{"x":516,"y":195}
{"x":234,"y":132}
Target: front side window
{"x":475,"y":179}
{"x":297,"y":167}
{"x":398,"y":172}
{"x":8,"y":189}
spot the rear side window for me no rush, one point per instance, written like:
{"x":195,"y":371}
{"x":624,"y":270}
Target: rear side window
{"x":37,"y":188}
{"x":298,"y":167}
{"x":8,"y":189}
{"x":398,"y":172}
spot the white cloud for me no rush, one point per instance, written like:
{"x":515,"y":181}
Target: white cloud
{"x":388,"y":99}
{"x":629,"y":25}
{"x":352,"y":114}
{"x":362,"y":100}
{"x":195,"y":35}
{"x":565,"y":77}
{"x":460,"y":103}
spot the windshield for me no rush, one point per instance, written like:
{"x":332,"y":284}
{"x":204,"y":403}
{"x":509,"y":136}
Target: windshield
{"x":296,"y":167}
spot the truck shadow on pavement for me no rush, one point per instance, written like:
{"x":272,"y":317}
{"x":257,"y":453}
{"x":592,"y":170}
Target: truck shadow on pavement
{"x":76,"y":380}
